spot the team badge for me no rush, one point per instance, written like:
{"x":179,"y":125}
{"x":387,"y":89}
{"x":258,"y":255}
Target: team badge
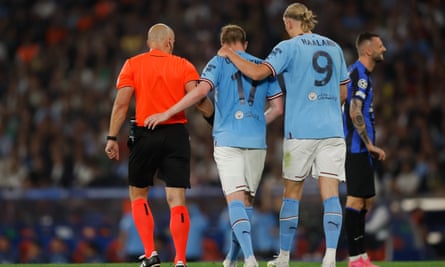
{"x":362,"y":83}
{"x":312,"y":96}
{"x":239,"y":115}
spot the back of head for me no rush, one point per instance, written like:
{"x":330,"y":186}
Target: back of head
{"x":231,"y":34}
{"x":161,"y":36}
{"x":300,"y":12}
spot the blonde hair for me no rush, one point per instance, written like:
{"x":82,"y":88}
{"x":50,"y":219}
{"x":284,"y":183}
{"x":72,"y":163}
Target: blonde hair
{"x":232,"y":33}
{"x":298,"y":11}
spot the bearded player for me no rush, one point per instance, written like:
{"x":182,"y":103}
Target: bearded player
{"x":359,"y":126}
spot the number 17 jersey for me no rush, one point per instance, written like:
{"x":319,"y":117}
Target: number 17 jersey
{"x":240,"y":103}
{"x":313,"y":67}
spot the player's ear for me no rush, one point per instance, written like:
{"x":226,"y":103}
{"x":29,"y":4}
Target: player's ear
{"x":170,"y":44}
{"x":245,"y":45}
{"x":368,"y":50}
{"x":286,"y":23}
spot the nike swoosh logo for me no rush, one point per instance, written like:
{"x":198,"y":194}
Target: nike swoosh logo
{"x":358,"y":237}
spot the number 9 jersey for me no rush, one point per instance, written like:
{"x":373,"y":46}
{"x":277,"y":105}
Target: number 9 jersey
{"x":313,"y":67}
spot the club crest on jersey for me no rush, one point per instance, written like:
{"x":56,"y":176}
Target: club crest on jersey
{"x":362,"y":83}
{"x":239,"y":115}
{"x":312,"y":96}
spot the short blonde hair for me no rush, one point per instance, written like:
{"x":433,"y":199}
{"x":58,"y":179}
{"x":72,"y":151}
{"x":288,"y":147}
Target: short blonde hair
{"x":300,"y":12}
{"x":232,"y":33}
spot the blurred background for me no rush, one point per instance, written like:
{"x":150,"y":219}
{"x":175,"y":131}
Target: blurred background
{"x":62,"y":200}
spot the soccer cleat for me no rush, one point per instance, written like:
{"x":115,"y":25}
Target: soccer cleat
{"x":279,"y":261}
{"x":229,"y":263}
{"x":356,"y":263}
{"x":153,"y":261}
{"x":180,"y":264}
{"x":367,"y":262}
{"x":251,"y":262}
{"x":328,"y":264}
{"x":361,"y":262}
{"x":328,"y":259}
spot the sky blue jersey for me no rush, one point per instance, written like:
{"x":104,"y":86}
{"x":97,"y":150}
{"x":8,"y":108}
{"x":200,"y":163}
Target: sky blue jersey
{"x":313,"y":68}
{"x":239,"y":103}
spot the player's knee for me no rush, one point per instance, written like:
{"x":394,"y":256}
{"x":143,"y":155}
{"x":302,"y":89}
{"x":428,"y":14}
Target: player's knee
{"x":355,"y":203}
{"x":136,"y":192}
{"x":174,"y":200}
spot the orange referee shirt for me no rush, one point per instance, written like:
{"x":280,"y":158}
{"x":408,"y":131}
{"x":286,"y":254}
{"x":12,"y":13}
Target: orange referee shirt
{"x":159,"y":82}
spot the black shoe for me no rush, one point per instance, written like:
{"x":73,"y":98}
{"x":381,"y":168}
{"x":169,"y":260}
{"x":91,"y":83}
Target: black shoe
{"x":153,"y":261}
{"x":180,"y":264}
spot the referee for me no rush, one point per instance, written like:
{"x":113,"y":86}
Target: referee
{"x":158,"y":79}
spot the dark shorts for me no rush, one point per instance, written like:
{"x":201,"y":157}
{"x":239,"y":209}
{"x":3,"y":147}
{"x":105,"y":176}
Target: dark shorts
{"x":165,"y":150}
{"x":360,"y":175}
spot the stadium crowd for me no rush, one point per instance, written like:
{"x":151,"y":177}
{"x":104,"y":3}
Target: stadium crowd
{"x":59,"y":61}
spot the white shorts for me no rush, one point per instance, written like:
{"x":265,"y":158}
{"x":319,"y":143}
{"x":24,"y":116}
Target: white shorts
{"x":239,"y":169}
{"x":316,"y":157}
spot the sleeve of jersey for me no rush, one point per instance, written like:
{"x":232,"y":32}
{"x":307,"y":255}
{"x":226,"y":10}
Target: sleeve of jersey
{"x":344,"y":78}
{"x":277,"y":59}
{"x":359,"y":85}
{"x":211,"y":71}
{"x":274,"y":89}
{"x":125,"y":77}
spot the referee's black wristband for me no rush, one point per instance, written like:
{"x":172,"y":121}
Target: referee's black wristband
{"x":111,"y":137}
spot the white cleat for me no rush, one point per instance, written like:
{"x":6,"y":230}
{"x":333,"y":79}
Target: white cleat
{"x":251,"y":262}
{"x":279,"y":261}
{"x":328,"y":264}
{"x":229,"y":263}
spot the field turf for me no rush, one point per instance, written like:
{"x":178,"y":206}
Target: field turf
{"x":218,"y":264}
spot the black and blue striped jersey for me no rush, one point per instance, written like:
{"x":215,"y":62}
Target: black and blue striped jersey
{"x":359,"y":87}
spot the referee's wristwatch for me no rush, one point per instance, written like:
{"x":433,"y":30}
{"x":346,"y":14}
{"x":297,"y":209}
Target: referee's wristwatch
{"x":111,"y":137}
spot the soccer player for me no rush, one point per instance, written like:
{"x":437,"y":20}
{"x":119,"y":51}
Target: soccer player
{"x":359,"y":126}
{"x":315,"y":76}
{"x":158,"y":79}
{"x":239,"y":133}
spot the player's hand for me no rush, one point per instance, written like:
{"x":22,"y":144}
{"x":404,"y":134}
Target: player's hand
{"x":112,"y":149}
{"x":224,"y":51}
{"x":151,"y":121}
{"x":377,"y":152}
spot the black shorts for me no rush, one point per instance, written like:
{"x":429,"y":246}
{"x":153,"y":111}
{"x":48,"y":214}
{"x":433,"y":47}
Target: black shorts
{"x":166,"y":149}
{"x":360,"y":175}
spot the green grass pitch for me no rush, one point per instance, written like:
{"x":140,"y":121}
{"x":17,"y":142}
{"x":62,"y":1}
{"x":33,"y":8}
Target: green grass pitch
{"x":218,"y":264}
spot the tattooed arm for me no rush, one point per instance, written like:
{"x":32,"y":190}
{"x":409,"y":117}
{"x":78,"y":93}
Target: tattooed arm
{"x":359,"y":123}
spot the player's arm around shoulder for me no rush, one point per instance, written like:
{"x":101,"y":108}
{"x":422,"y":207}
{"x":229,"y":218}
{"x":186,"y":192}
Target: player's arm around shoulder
{"x":252,"y":70}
